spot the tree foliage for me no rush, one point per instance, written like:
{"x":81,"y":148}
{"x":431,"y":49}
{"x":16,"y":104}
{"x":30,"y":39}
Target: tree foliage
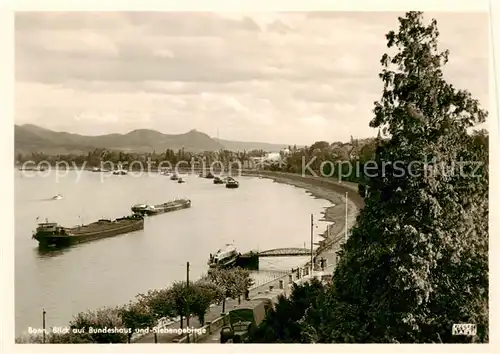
{"x":234,"y":282}
{"x":417,"y":259}
{"x":283,"y":323}
{"x":137,"y":315}
{"x":143,"y":313}
{"x":87,"y":322}
{"x":159,"y":302}
{"x":205,"y":294}
{"x":181,"y":296}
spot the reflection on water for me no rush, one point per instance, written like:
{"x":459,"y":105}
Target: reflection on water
{"x":49,"y":252}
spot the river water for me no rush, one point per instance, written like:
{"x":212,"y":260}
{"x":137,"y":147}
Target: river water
{"x":260,"y":214}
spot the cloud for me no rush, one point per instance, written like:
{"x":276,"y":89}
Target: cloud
{"x":315,"y":120}
{"x":282,"y":77}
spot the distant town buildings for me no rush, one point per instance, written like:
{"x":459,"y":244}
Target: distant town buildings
{"x":269,"y":158}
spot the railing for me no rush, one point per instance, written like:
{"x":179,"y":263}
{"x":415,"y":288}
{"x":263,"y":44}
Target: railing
{"x":161,"y":324}
{"x":209,"y":329}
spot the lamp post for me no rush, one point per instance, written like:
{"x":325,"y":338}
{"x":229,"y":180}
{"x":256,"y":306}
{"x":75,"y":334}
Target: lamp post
{"x":346,"y":216}
{"x":312,"y":232}
{"x":43,"y":325}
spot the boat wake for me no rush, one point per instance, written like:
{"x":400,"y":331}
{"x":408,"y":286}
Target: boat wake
{"x":56,"y":197}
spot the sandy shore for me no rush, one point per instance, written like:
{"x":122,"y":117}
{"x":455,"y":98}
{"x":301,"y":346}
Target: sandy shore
{"x":328,"y":189}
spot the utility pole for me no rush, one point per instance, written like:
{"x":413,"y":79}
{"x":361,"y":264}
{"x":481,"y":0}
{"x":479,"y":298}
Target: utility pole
{"x":188,"y":298}
{"x":187,"y":282}
{"x":312,"y":231}
{"x":346,"y":216}
{"x":43,"y":325}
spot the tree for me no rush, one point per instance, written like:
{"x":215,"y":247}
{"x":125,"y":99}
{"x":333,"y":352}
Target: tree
{"x":159,"y":302}
{"x":242,"y":282}
{"x":136,"y":315}
{"x":319,"y":145}
{"x":222,"y":278}
{"x":417,"y":259}
{"x":234,"y":282}
{"x":88,"y":324}
{"x":205,"y":294}
{"x":283,"y":323}
{"x":181,"y":296}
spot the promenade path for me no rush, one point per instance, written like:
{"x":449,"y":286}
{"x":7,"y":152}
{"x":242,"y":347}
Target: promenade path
{"x":329,"y":255}
{"x":211,"y":315}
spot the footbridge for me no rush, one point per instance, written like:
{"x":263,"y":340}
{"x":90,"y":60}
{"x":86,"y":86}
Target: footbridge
{"x":285,"y":252}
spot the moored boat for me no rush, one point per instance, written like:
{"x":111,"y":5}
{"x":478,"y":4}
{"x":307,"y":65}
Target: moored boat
{"x":40,"y":169}
{"x":145,"y":209}
{"x":181,"y":180}
{"x":52,"y":234}
{"x":120,"y":172}
{"x":218,"y":180}
{"x":174,"y":177}
{"x":224,"y":258}
{"x":209,"y":175}
{"x":232,"y":183}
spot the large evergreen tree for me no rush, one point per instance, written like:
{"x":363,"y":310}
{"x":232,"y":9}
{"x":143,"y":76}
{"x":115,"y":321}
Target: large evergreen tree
{"x":417,"y":259}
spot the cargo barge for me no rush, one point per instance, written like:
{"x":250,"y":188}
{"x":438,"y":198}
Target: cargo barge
{"x":51,"y":234}
{"x":145,"y":209}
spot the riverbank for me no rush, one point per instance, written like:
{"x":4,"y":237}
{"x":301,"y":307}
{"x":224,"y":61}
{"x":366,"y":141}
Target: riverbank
{"x":320,"y":188}
{"x":103,"y":277}
{"x":317,"y":187}
{"x":328,"y":189}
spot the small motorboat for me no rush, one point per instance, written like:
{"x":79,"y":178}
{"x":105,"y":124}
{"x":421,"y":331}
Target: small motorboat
{"x":181,"y":180}
{"x":174,"y":177}
{"x":57,"y":197}
{"x":218,"y":180}
{"x":232,"y":183}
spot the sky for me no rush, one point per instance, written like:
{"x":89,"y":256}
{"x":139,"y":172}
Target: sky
{"x":291,"y":78}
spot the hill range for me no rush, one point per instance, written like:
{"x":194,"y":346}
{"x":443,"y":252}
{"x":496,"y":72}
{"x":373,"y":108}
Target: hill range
{"x":29,"y":138}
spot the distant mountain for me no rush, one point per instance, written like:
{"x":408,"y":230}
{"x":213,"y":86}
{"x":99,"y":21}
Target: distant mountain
{"x":32,"y":138}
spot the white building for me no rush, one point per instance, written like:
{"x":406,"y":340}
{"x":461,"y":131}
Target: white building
{"x":272,"y":156}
